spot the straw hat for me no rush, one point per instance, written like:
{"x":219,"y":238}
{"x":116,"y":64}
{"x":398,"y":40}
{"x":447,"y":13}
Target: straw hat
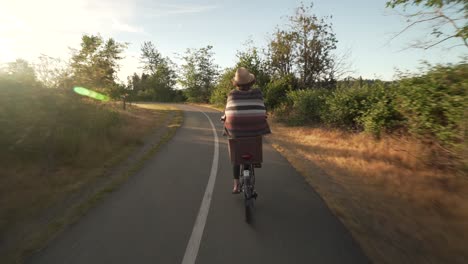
{"x":243,"y":76}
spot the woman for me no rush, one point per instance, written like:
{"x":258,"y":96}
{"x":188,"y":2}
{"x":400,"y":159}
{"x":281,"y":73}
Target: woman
{"x":245,"y":113}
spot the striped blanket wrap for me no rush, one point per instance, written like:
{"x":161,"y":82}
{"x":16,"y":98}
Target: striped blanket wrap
{"x":245,"y":114}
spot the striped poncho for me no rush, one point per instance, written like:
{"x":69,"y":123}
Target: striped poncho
{"x":245,"y":114}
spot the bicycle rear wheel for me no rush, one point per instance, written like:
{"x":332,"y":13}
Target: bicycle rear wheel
{"x":249,"y":194}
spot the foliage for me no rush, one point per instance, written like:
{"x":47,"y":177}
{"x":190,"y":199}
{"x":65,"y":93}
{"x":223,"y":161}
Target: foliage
{"x":435,"y":104}
{"x":379,"y":112}
{"x":95,"y":65}
{"x":275,"y":92}
{"x":315,"y":41}
{"x":448,"y":19}
{"x":198,"y":74}
{"x":307,"y":106}
{"x":251,"y":60}
{"x":345,"y":106}
{"x":224,"y":86}
{"x":432,"y":106}
{"x":151,"y":58}
{"x":20,"y":71}
{"x":305,"y":49}
{"x":48,"y":124}
{"x":52,"y":72}
{"x":281,"y":53}
{"x":358,"y":105}
{"x":157,"y":82}
{"x":428,"y":3}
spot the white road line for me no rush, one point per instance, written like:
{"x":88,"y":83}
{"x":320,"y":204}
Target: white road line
{"x":194,"y":243}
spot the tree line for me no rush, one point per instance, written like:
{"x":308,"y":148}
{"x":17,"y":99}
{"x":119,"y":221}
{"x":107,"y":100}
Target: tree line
{"x":301,"y":77}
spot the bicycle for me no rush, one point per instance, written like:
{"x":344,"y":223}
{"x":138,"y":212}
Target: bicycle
{"x":247,"y":152}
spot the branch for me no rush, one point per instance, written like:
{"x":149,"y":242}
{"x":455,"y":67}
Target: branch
{"x":411,"y":25}
{"x":449,"y":19}
{"x":452,"y":21}
{"x":438,"y":42}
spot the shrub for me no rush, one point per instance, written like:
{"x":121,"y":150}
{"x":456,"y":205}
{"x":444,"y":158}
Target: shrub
{"x":38,"y":123}
{"x":379,"y":112}
{"x":345,"y":107}
{"x":276,"y":90}
{"x":435,"y":104}
{"x":306,"y":106}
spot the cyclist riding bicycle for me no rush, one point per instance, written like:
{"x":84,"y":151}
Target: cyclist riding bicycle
{"x":244,"y":114}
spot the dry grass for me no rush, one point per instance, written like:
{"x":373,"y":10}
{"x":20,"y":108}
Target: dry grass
{"x":399,"y":208}
{"x":26,"y":190}
{"x":215,"y":107}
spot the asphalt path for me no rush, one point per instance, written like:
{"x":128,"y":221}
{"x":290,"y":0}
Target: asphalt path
{"x":179,"y":209}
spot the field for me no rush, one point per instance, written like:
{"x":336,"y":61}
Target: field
{"x":397,"y":206}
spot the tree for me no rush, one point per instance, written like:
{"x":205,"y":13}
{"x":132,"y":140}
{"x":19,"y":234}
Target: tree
{"x":315,"y":41}
{"x":20,"y":71}
{"x":341,"y":65}
{"x":198,"y":74}
{"x":448,"y":19}
{"x":150,"y":57}
{"x":304,"y":49}
{"x":281,"y":53}
{"x":95,"y":65}
{"x":160,"y":79}
{"x":223,"y":87}
{"x":52,"y":72}
{"x":251,"y":60}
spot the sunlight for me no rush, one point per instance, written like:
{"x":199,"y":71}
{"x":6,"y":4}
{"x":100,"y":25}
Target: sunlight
{"x":6,"y":51}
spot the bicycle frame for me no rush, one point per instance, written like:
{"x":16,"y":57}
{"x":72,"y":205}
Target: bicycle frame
{"x":247,"y":180}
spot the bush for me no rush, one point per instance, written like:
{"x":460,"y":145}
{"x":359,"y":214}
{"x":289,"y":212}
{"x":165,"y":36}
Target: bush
{"x":275,"y":92}
{"x":435,"y":104}
{"x":370,"y":107}
{"x":345,"y":106}
{"x":306,"y":106}
{"x":38,"y":123}
{"x":379,"y":112}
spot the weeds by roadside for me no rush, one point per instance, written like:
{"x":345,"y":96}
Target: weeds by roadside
{"x":398,"y":206}
{"x":99,"y":137}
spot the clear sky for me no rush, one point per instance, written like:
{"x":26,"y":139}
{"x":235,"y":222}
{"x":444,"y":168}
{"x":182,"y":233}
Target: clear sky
{"x":30,"y":27}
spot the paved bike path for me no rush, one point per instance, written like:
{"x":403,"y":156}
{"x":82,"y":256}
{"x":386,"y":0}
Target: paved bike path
{"x":150,"y":219}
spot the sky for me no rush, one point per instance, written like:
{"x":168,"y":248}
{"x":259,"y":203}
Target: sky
{"x":364,"y":28}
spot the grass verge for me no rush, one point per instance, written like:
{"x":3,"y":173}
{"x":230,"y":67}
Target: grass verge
{"x":148,"y":118}
{"x":398,"y":207}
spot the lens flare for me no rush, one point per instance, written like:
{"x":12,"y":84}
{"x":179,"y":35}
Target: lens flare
{"x":92,"y":94}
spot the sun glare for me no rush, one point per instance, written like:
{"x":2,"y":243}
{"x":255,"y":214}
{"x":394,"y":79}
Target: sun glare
{"x":6,"y":52}
{"x":92,"y":94}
